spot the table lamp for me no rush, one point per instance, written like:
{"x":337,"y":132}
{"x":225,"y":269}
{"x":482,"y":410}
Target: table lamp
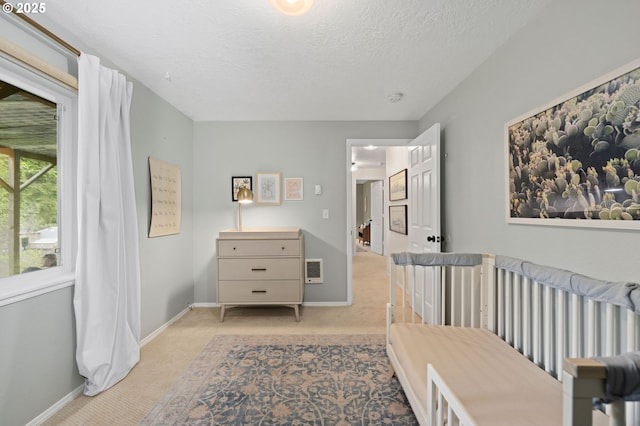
{"x":244,"y":196}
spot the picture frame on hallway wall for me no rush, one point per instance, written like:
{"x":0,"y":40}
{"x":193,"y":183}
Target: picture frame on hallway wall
{"x":398,"y":219}
{"x":238,"y":182}
{"x":293,"y":189}
{"x":268,"y":189}
{"x":398,"y":186}
{"x":576,"y":160}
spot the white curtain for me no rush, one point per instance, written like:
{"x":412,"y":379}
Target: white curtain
{"x":107,"y":289}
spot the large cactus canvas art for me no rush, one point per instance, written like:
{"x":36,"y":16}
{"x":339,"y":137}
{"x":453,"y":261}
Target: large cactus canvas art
{"x":577,"y":162}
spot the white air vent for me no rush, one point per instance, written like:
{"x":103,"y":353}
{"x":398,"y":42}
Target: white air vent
{"x":313,"y":271}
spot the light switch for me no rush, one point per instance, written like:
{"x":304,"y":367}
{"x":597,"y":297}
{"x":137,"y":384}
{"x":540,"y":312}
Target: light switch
{"x":325,"y":213}
{"x":318,"y":190}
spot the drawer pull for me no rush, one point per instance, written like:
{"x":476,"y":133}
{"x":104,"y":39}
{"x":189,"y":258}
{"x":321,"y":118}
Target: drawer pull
{"x":258,"y":269}
{"x":258,"y":291}
{"x":282,"y":248}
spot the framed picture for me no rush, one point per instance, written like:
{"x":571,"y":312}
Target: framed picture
{"x":398,"y":186}
{"x":398,"y":219}
{"x":293,"y":189}
{"x":576,"y":161}
{"x":268,"y":189}
{"x":166,"y":198}
{"x":238,"y":182}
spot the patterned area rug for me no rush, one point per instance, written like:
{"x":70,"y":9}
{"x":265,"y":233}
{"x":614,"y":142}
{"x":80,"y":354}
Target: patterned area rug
{"x":286,"y":380}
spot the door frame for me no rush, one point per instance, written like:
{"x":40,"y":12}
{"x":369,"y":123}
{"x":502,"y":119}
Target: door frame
{"x":377,"y":190}
{"x":351,"y":190}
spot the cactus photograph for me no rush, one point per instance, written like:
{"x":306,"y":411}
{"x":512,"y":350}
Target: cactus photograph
{"x":579,"y":159}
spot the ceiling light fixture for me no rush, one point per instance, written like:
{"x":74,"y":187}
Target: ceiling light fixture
{"x":292,"y":7}
{"x":370,"y":147}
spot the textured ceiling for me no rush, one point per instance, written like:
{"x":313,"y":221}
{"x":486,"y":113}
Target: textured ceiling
{"x":243,"y":60}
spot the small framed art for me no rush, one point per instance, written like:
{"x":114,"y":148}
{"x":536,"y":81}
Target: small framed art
{"x":398,"y":219}
{"x":398,"y":186}
{"x":268,"y":189}
{"x":238,"y":182}
{"x":293,"y":189}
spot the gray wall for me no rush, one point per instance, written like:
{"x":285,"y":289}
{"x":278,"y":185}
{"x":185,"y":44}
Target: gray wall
{"x":37,"y":336}
{"x":166,"y":263}
{"x":315,"y":151}
{"x":37,"y":355}
{"x":572,"y":44}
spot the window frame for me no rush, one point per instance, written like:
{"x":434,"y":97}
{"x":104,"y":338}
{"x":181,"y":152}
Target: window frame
{"x":19,"y":287}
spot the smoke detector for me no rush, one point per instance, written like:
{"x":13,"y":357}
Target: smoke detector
{"x":395,"y":97}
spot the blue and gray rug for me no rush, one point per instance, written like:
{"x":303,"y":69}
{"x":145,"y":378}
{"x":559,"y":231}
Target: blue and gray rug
{"x":286,"y":380}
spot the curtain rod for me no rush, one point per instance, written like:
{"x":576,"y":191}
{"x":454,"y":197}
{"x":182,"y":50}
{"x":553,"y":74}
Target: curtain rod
{"x":43,"y":30}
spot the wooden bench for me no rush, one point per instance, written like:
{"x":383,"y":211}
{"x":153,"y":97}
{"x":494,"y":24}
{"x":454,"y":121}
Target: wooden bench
{"x":491,"y":340}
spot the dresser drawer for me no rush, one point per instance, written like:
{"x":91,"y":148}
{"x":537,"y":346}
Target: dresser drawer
{"x":243,"y":292}
{"x":259,"y":269}
{"x":240,"y":248}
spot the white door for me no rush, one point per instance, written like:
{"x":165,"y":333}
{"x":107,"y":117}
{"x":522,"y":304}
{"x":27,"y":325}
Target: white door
{"x":377,"y":217}
{"x":424,"y":215}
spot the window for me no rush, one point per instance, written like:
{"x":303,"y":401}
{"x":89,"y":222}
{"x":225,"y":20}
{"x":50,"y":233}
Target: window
{"x":37,"y":193}
{"x":28,"y":182}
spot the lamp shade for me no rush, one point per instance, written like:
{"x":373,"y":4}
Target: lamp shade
{"x":292,"y":7}
{"x":244,"y":195}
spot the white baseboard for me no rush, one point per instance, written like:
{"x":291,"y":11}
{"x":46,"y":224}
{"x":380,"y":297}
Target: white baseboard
{"x":310,"y":304}
{"x":163,"y":327}
{"x":326,"y":304}
{"x":45,"y":415}
{"x":206,"y":305}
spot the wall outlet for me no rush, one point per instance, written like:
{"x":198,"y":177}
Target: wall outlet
{"x":325,"y":213}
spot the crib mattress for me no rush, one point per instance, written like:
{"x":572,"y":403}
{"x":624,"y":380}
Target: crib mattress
{"x":494,"y":382}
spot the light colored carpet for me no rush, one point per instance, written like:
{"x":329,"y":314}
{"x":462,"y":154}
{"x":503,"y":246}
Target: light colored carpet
{"x":165,"y":358}
{"x":286,"y":380}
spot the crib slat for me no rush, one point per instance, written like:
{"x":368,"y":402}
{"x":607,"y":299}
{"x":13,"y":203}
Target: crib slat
{"x":517,"y":313}
{"x":413,"y":294}
{"x":562,"y":332}
{"x":592,"y":329}
{"x":423,"y":293}
{"x":508,"y":314}
{"x":436,"y":289}
{"x":500,"y":305}
{"x":405,"y":278}
{"x":443,"y":295}
{"x":464,"y":297}
{"x":527,"y":318}
{"x":537,"y":323}
{"x":612,"y":327}
{"x":454,"y":295}
{"x":548,"y":320}
{"x":474,"y":305}
{"x":632,"y":332}
{"x":577,"y":325}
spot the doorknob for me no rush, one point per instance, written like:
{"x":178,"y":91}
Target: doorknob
{"x":435,"y":239}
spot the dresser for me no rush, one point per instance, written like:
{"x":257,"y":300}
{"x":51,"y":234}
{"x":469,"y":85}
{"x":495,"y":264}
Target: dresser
{"x":260,"y":267}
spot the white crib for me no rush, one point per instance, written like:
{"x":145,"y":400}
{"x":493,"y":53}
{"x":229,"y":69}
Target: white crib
{"x":530,"y":316}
